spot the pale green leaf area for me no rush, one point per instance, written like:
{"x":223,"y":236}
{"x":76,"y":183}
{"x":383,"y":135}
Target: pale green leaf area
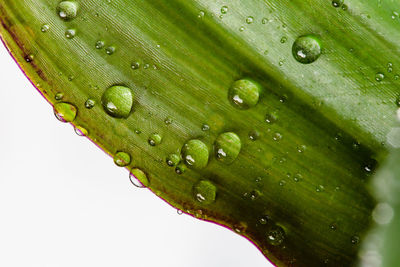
{"x":268,"y":117}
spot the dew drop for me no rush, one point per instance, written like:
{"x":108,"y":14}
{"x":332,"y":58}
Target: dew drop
{"x":99,"y":44}
{"x":227,"y":147}
{"x":244,"y":93}
{"x":70,"y":33}
{"x":173,"y":160}
{"x":81,"y":131}
{"x":110,"y":50}
{"x":135,"y":65}
{"x":167,"y":121}
{"x":254,"y":135}
{"x":224,"y":9}
{"x":90,"y":103}
{"x":67,"y":10}
{"x":65,"y":112}
{"x":283,"y":40}
{"x":154,"y":139}
{"x":271,"y":118}
{"x":59,"y":96}
{"x":44,"y":28}
{"x":118,"y":101}
{"x":138,"y":178}
{"x":249,"y":20}
{"x":195,"y":154}
{"x":205,"y":127}
{"x":306,"y":49}
{"x":205,"y":192}
{"x":379,"y":76}
{"x":122,"y":159}
{"x":337,"y":3}
{"x":180,"y":168}
{"x":180,"y":212}
{"x":355,"y":239}
{"x":276,"y":236}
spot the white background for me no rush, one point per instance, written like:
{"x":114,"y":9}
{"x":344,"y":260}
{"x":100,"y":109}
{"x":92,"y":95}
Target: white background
{"x":64,"y":203}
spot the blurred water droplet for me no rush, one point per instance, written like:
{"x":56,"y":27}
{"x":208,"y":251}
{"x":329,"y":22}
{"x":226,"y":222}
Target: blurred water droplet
{"x":205,"y":192}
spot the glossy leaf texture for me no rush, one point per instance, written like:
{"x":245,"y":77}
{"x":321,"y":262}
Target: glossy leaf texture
{"x":267,"y":117}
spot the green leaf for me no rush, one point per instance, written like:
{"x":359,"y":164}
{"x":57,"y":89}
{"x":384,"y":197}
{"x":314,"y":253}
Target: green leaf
{"x":308,"y":88}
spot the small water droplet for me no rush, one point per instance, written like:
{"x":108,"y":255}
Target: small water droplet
{"x":306,"y":49}
{"x":355,"y":239}
{"x":201,"y":14}
{"x":264,"y":21}
{"x":276,"y":236}
{"x":154,"y":139}
{"x":195,"y":154}
{"x":297,"y":177}
{"x":65,"y":112}
{"x":138,"y":178}
{"x":249,"y":20}
{"x":110,"y":50}
{"x":205,"y":127}
{"x":379,"y":76}
{"x":205,"y":192}
{"x":264,"y":219}
{"x":59,"y":96}
{"x":122,"y":159}
{"x":283,"y":39}
{"x":100,"y":44}
{"x":244,"y":93}
{"x":180,"y":212}
{"x":118,"y":101}
{"x":271,"y":117}
{"x":180,"y":168}
{"x":345,"y":7}
{"x":67,"y":10}
{"x":337,"y":3}
{"x":70,"y":33}
{"x":333,"y":226}
{"x":320,"y":188}
{"x":254,"y":135}
{"x":241,"y":29}
{"x":167,"y":121}
{"x":227,"y":147}
{"x":135,"y":65}
{"x":277,"y":137}
{"x":44,"y":28}
{"x":173,"y":160}
{"x":81,"y":131}
{"x":90,"y":103}
{"x":224,"y":9}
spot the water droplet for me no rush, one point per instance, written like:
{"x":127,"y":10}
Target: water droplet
{"x":370,"y":165}
{"x":110,"y":50}
{"x":195,"y":154}
{"x":180,"y":168}
{"x":306,"y":49}
{"x":355,"y":239}
{"x":59,"y":96}
{"x":320,"y":188}
{"x":254,"y":135}
{"x":337,"y":3}
{"x":271,"y":118}
{"x":29,"y":58}
{"x":297,"y":177}
{"x":276,"y":236}
{"x":90,"y":103}
{"x":67,"y":10}
{"x":205,"y":127}
{"x":241,"y":29}
{"x":345,"y":7}
{"x":205,"y":192}
{"x":65,"y":112}
{"x":244,"y":94}
{"x":81,"y":131}
{"x":283,"y":39}
{"x":118,"y":101}
{"x":70,"y":33}
{"x":264,"y":219}
{"x":173,"y":160}
{"x":180,"y":212}
{"x":333,"y":226}
{"x":135,"y":65}
{"x":227,"y":147}
{"x":167,"y":121}
{"x":138,"y":178}
{"x":249,"y":20}
{"x":277,"y":137}
{"x":201,"y":14}
{"x":379,"y":77}
{"x":45,"y":28}
{"x":264,"y":21}
{"x":224,"y":9}
{"x":99,"y":44}
{"x":122,"y":159}
{"x":282,"y":182}
{"x":154,"y":139}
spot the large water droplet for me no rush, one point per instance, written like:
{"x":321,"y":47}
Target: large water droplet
{"x":118,"y":101}
{"x":227,"y":147}
{"x":276,"y":235}
{"x":195,"y":154}
{"x":244,"y":94}
{"x":122,"y":159}
{"x":306,"y":49}
{"x":65,"y":112}
{"x":205,"y":192}
{"x":139,"y":178}
{"x":67,"y":10}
